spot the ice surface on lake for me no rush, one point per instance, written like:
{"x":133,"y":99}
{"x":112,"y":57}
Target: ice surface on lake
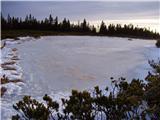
{"x":78,"y":62}
{"x":57,"y":64}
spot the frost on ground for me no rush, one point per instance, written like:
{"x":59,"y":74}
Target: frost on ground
{"x":57,"y":64}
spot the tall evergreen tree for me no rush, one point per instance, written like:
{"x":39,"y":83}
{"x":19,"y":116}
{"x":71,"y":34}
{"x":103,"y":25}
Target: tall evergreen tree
{"x":102,"y":28}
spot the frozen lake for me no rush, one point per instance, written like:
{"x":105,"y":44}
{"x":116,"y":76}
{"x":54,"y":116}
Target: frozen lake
{"x":58,"y":64}
{"x":72,"y":62}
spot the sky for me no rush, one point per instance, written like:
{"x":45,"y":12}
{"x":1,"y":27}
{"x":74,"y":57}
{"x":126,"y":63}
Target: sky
{"x":143,"y":14}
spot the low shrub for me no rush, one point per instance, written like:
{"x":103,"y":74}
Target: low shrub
{"x":158,"y":43}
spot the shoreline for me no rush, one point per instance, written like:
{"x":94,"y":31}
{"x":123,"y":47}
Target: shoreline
{"x":10,"y":67}
{"x":14,"y":34}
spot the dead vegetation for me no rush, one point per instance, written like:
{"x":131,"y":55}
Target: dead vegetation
{"x":5,"y":80}
{"x":8,"y":63}
{"x":15,"y":58}
{"x":3,"y":90}
{"x":7,"y":67}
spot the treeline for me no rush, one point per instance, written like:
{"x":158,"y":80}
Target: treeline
{"x":50,"y":23}
{"x":53,"y":24}
{"x":127,"y":30}
{"x":137,"y":100}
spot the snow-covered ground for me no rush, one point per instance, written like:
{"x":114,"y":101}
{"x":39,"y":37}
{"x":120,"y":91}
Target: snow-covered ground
{"x":57,"y":64}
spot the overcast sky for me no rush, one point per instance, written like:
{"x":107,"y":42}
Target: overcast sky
{"x":92,"y":11}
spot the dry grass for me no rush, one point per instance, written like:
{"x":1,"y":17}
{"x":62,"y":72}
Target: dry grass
{"x":6,"y":67}
{"x":8,"y":63}
{"x":5,"y":80}
{"x":3,"y":90}
{"x":14,"y":49}
{"x":15,"y":58}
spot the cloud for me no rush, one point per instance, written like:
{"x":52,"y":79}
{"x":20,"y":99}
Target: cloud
{"x":80,"y":10}
{"x":92,"y":11}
